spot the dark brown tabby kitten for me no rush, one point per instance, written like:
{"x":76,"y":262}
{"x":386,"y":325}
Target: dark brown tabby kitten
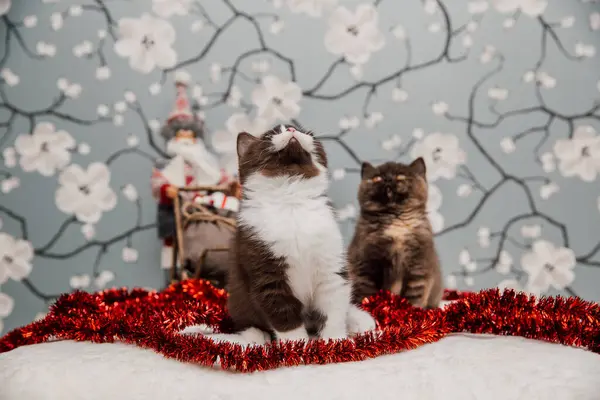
{"x":393,"y":246}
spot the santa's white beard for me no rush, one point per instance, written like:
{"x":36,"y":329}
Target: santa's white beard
{"x":205,"y":165}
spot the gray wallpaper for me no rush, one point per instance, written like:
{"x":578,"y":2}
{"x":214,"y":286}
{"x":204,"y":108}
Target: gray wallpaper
{"x":501,"y":97}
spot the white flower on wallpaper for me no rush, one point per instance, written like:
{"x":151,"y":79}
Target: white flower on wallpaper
{"x":10,"y":157}
{"x":130,"y":192}
{"x":338,"y":174}
{"x":488,"y":54}
{"x":595,"y":21}
{"x":434,"y":202}
{"x":510,"y":284}
{"x":197,"y":26}
{"x":46,"y":150}
{"x":465,"y":260}
{"x":235,"y":97}
{"x":373,"y":119}
{"x":579,"y":156}
{"x":30,"y":21}
{"x":10,"y":184}
{"x":75,"y":10}
{"x":102,"y":110}
{"x":9,"y":77}
{"x":277,"y":26}
{"x":80,"y":281}
{"x":85,"y":193}
{"x":88,"y":231}
{"x":504,"y":264}
{"x":261,"y":66}
{"x":532,"y":8}
{"x":508,"y":145}
{"x":442,"y":155}
{"x":531,"y":231}
{"x":103,"y":279}
{"x":355,"y":35}
{"x":15,"y":258}
{"x":399,"y":95}
{"x":440,"y":108}
{"x":567,"y":22}
{"x":548,"y":265}
{"x":583,"y":50}
{"x":168,"y":8}
{"x":216,"y":70}
{"x":345,"y":213}
{"x":45,"y":49}
{"x":548,"y":162}
{"x":399,"y":32}
{"x":7,"y":304}
{"x":198,"y":95}
{"x":147,"y":43}
{"x":224,"y":141}
{"x":349,"y":122}
{"x":392,"y":143}
{"x":56,"y":21}
{"x":132,"y":140}
{"x":483,"y":237}
{"x":545,"y":80}
{"x":83,"y":49}
{"x":464,"y":190}
{"x":477,"y":7}
{"x":548,"y":189}
{"x":277,"y":99}
{"x":129,"y":255}
{"x":497,"y":93}
{"x":313,"y":8}
{"x":69,"y":89}
{"x":4,"y":7}
{"x":418,"y":133}
{"x":84,"y":148}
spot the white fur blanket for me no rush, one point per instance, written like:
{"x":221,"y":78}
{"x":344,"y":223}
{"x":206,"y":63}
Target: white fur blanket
{"x":460,"y":367}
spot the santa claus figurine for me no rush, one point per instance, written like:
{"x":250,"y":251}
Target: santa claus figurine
{"x":191,"y":165}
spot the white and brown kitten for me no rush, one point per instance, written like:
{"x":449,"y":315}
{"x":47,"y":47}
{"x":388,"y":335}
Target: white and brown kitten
{"x":289,"y":256}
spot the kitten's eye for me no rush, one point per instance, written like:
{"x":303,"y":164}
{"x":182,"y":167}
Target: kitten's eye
{"x":376,"y":179}
{"x":400,"y":177}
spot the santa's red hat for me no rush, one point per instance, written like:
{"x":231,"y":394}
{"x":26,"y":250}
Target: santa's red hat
{"x":182,"y":110}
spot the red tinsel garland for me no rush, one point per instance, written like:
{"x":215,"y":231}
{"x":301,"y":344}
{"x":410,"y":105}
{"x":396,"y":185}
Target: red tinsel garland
{"x":152,"y":320}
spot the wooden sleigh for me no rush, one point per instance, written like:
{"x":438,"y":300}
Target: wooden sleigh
{"x":190,"y":212}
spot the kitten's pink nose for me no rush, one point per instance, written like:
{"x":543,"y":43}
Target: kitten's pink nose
{"x":291,"y":129}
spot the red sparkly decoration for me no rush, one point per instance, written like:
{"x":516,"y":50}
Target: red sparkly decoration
{"x":151,"y":320}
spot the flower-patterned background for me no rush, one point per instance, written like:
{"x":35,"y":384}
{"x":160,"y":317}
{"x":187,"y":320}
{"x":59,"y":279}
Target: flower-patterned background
{"x":501,"y":97}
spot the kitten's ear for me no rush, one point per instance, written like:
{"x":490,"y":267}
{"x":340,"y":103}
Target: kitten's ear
{"x":418,"y":167}
{"x":244,"y":140}
{"x":366,"y":170}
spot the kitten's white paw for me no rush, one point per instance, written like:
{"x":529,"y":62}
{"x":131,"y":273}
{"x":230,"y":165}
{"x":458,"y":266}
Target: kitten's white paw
{"x":295,"y":334}
{"x":359,"y":321}
{"x":255,"y":336}
{"x":444,"y":303}
{"x":333,"y":331}
{"x":195,"y":329}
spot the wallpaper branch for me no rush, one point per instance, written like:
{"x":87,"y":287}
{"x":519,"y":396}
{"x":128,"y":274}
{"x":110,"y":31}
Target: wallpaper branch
{"x":501,"y":98}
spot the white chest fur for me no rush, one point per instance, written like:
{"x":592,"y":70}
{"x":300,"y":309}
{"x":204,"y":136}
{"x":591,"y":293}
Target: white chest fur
{"x":293,"y":218}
